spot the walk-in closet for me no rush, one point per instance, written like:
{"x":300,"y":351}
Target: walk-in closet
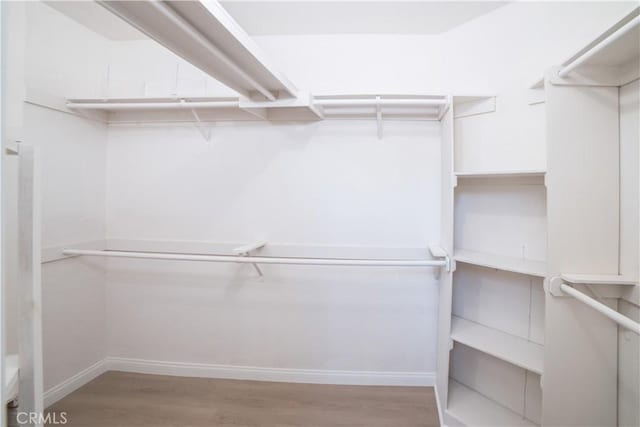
{"x":320,"y":213}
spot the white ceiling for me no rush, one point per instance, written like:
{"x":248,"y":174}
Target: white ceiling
{"x":354,"y":17}
{"x":263,"y":17}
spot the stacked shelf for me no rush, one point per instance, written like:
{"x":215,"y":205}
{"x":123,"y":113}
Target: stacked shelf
{"x":501,"y":174}
{"x":501,"y":262}
{"x":473,"y":409}
{"x":515,"y":350}
{"x":500,"y":227}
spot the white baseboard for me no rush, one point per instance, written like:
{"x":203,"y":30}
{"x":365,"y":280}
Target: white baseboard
{"x":73,"y":383}
{"x":201,"y":370}
{"x":311,"y":376}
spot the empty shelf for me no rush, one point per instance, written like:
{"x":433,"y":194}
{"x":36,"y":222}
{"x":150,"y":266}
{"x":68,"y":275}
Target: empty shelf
{"x":615,"y":52}
{"x":501,"y":174}
{"x":199,"y":109}
{"x":473,"y":409}
{"x":598,"y":279}
{"x":510,"y":348}
{"x":501,"y":262}
{"x":204,"y":34}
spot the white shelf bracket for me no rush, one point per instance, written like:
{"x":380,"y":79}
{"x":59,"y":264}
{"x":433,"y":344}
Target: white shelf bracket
{"x":204,"y":130}
{"x":379,"y":116}
{"x":444,"y":108}
{"x":13,"y":148}
{"x":246,"y":250}
{"x":558,"y":287}
{"x":439,"y":252}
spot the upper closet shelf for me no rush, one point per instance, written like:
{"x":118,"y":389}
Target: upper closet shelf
{"x":204,"y":34}
{"x":598,"y":279}
{"x":612,"y":59}
{"x":204,"y":109}
{"x":199,"y":109}
{"x":501,"y":262}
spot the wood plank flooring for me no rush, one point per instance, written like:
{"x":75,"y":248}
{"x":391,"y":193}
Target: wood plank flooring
{"x":118,"y":399}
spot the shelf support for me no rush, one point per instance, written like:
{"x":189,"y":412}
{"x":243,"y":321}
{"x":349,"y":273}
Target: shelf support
{"x":246,"y":250}
{"x":206,"y":132}
{"x":379,"y":116}
{"x":439,"y":252}
{"x":559,"y":287}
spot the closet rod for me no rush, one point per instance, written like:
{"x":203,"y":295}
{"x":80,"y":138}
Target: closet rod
{"x":620,"y":319}
{"x":381,"y":102}
{"x":150,"y":105}
{"x":261,"y":260}
{"x":598,"y":47}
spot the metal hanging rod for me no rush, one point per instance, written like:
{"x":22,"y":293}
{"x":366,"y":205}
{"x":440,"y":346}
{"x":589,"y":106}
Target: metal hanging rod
{"x":380,"y":102}
{"x":575,"y":62}
{"x":559,"y":287}
{"x":261,"y":260}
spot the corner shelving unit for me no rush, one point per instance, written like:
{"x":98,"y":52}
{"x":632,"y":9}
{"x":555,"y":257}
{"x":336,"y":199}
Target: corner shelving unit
{"x":499,"y":223}
{"x":583,"y":106}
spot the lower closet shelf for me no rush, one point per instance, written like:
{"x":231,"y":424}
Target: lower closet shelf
{"x":510,"y":348}
{"x":473,"y":409}
{"x":501,"y":262}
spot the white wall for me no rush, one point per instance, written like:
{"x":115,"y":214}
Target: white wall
{"x":61,"y":56}
{"x":318,"y":187}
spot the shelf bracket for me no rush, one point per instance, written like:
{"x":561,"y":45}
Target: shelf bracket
{"x":204,"y":130}
{"x":379,"y":116}
{"x":246,"y":250}
{"x":444,"y":109}
{"x":438,"y":251}
{"x":13,"y":148}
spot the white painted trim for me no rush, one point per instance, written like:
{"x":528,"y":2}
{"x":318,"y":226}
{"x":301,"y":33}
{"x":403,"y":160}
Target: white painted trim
{"x":310,"y":376}
{"x":74,"y":382}
{"x":439,"y":406}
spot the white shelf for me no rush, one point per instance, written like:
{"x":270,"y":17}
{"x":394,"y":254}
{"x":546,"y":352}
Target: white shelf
{"x":303,"y":108}
{"x":612,"y":58}
{"x":204,"y":34}
{"x":501,"y":262}
{"x":598,"y":279}
{"x":501,"y":174}
{"x":515,"y":350}
{"x":206,"y":109}
{"x":473,"y":409}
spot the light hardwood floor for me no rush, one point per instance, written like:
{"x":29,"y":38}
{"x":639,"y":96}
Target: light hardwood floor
{"x":118,"y":399}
